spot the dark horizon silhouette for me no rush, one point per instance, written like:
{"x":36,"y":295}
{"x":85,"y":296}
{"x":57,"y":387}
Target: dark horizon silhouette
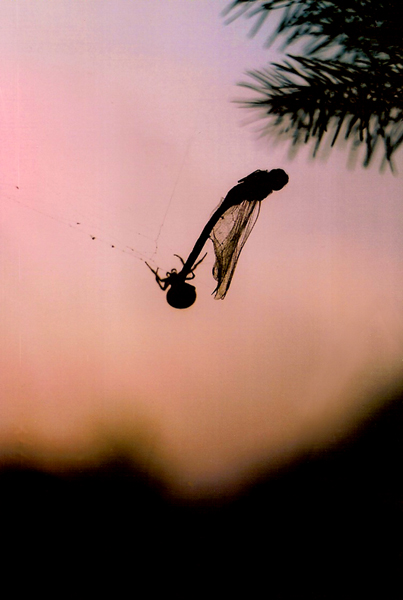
{"x":327,"y":522}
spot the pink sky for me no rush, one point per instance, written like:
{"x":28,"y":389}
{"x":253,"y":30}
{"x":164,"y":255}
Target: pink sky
{"x":117,"y":116}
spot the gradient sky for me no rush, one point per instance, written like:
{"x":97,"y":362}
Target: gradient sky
{"x":117,"y":122}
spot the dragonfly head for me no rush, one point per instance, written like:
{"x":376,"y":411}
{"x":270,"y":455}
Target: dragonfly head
{"x":278,"y":179}
{"x":259,"y":184}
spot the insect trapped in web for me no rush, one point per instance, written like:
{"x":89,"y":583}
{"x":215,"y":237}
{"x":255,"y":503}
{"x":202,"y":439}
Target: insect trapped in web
{"x":229,"y":227}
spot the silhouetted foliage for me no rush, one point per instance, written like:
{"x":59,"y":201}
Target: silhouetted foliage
{"x":350,"y":78}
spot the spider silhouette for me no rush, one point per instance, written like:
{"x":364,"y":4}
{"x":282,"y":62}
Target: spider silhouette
{"x":180,"y":293}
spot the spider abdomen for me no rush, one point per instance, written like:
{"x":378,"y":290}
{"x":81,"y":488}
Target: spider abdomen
{"x":182,"y":295}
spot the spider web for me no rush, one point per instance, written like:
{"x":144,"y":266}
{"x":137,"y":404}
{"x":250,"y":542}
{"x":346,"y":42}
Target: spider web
{"x":229,"y":236}
{"x":93,"y":231}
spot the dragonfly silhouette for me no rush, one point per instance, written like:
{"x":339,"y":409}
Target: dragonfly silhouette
{"x":228,"y":227}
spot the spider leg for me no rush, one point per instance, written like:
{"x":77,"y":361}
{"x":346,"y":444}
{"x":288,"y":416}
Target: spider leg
{"x":180,"y":258}
{"x":191,"y":275}
{"x":151,"y":269}
{"x":163,"y":283}
{"x":198,"y":262}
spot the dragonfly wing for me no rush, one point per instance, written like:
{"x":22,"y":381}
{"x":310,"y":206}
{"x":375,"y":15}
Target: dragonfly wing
{"x":229,"y":236}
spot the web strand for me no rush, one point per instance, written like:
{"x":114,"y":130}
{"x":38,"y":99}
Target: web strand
{"x":85,"y":230}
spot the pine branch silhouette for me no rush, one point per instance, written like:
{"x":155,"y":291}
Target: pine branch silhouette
{"x":348,"y":83}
